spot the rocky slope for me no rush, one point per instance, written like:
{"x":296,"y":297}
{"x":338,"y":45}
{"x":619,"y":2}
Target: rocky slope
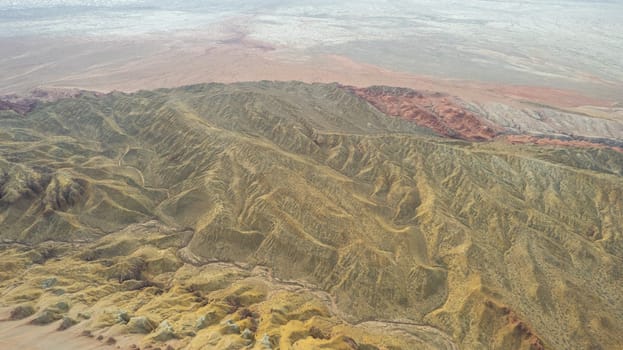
{"x":295,"y":216}
{"x":515,"y":122}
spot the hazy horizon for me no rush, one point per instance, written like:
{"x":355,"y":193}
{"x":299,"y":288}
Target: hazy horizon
{"x":292,"y":175}
{"x":570,"y":44}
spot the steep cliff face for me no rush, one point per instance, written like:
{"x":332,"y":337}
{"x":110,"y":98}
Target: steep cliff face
{"x":374,"y":218}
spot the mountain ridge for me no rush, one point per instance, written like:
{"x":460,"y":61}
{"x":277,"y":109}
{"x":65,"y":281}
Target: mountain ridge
{"x":318,"y":186}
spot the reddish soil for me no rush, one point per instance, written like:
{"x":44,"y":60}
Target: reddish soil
{"x":226,"y":55}
{"x":22,"y":104}
{"x":444,"y":115}
{"x":438,"y":112}
{"x":524,"y":331}
{"x":549,"y":96}
{"x":520,"y":328}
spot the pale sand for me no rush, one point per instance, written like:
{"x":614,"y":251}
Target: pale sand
{"x":20,"y":335}
{"x":155,"y":62}
{"x":16,"y":335}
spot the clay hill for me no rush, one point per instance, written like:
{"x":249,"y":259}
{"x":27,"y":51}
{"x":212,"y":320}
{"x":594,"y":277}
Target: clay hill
{"x":308,"y":216}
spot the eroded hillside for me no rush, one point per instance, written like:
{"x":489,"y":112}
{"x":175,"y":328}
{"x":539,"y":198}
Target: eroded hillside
{"x":297,"y":216}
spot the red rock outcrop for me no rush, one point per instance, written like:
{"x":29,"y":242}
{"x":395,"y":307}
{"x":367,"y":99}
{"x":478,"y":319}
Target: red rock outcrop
{"x":445,"y":115}
{"x":438,"y":112}
{"x":20,"y":106}
{"x":23,"y":104}
{"x":519,"y":327}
